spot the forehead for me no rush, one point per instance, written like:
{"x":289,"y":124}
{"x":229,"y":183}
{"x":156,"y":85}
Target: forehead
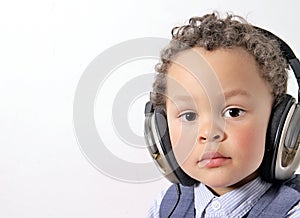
{"x":219,"y":69}
{"x":216,"y":78}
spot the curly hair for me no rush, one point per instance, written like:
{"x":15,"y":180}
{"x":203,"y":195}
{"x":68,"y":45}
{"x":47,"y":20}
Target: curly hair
{"x":212,"y":32}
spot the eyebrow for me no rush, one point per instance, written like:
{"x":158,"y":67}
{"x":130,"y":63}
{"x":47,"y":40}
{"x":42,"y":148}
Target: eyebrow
{"x":182,"y":99}
{"x":236,"y":92}
{"x":227,"y":95}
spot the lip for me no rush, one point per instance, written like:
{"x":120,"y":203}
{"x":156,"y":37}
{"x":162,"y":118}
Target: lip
{"x":212,"y":160}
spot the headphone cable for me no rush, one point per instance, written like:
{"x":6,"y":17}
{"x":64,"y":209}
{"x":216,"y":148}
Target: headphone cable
{"x":178,"y":199}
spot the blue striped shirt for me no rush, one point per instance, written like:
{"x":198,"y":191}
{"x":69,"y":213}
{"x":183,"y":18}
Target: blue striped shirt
{"x":235,"y":203}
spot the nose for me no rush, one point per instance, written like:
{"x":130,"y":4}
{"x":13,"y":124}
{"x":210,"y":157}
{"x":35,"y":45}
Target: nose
{"x":210,"y":131}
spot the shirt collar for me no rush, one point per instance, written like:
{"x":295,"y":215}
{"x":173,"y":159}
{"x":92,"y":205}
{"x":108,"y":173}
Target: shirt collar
{"x":236,"y":202}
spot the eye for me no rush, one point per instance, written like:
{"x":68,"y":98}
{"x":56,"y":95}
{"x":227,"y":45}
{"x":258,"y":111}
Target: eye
{"x":188,"y":116}
{"x":233,"y":112}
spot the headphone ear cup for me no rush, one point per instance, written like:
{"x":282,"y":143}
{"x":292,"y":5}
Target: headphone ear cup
{"x":171,"y":167}
{"x":281,"y":117}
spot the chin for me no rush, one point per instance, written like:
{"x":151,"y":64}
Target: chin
{"x":228,"y":182}
{"x":215,"y":180}
{"x":220,"y":179}
{"x":219,"y":183}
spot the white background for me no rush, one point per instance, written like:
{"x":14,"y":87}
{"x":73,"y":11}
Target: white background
{"x":45,"y":46}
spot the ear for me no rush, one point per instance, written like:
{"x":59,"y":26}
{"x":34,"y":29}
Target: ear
{"x":282,"y":141}
{"x":159,"y":145}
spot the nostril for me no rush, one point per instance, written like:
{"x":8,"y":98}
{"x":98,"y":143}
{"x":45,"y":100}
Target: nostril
{"x":203,"y":138}
{"x":213,"y":138}
{"x":216,"y":137}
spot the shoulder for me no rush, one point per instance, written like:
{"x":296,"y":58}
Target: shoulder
{"x":153,"y":211}
{"x":294,"y":183}
{"x":178,"y":201}
{"x":184,"y":192}
{"x":295,"y":211}
{"x":289,"y":195}
{"x":281,"y":200}
{"x":166,"y":201}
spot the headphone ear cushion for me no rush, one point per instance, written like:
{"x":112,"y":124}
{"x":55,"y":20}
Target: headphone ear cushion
{"x":274,"y":133}
{"x":162,"y":129}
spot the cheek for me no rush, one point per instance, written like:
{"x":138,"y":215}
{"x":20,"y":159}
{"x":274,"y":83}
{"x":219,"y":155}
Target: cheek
{"x":174,"y":132}
{"x":250,"y":139}
{"x":183,"y":138}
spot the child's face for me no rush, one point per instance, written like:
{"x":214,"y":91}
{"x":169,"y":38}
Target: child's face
{"x":218,"y":130}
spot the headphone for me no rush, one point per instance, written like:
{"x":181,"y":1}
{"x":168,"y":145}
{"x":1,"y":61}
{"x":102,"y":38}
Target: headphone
{"x":281,"y":157}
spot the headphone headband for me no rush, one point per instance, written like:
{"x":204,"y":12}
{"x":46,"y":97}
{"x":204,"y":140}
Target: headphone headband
{"x":288,"y":54}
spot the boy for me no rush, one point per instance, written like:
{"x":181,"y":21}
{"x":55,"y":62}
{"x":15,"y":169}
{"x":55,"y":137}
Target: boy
{"x":218,"y":81}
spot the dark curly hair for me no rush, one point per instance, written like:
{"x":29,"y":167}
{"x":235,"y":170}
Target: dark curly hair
{"x":212,"y":32}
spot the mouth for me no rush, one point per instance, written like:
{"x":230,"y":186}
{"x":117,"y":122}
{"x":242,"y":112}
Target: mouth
{"x":212,"y":160}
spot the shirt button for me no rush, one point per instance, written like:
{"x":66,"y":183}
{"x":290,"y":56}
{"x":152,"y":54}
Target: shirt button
{"x":216,"y":205}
